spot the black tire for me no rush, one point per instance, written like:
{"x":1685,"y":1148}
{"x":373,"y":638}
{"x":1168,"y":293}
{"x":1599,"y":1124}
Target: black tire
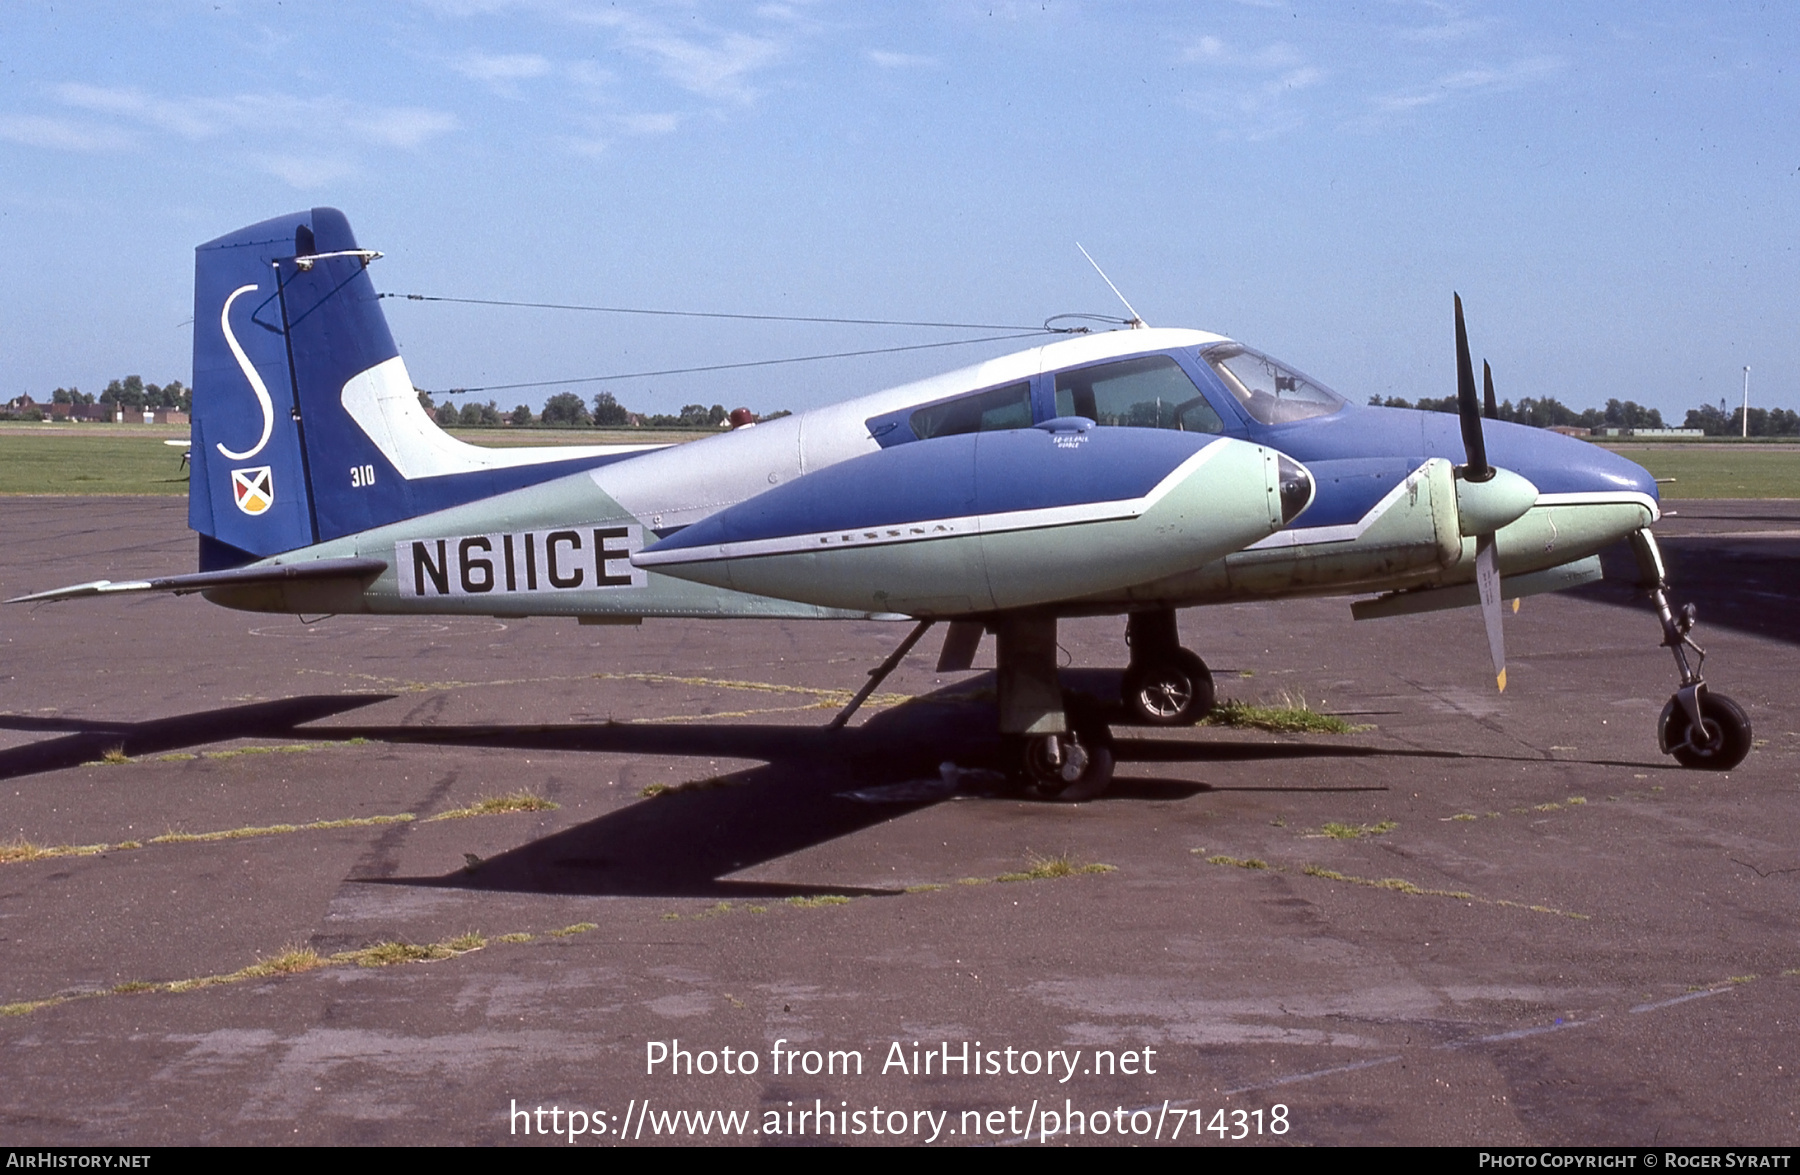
{"x":1724,"y":740}
{"x":1172,"y":690}
{"x":1044,"y":781}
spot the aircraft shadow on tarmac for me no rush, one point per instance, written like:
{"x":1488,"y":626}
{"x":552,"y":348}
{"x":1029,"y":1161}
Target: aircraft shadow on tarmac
{"x":89,"y":739}
{"x":814,"y":785}
{"x":1750,"y":585}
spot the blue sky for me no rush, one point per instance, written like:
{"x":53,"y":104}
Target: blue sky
{"x":1614,"y":189}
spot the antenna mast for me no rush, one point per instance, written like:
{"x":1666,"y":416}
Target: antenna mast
{"x":1137,"y":319}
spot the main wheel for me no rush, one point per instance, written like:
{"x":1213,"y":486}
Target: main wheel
{"x":1067,"y":768}
{"x":1721,"y":743}
{"x":1175,"y":689}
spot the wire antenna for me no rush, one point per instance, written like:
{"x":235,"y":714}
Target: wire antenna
{"x":1137,"y":320}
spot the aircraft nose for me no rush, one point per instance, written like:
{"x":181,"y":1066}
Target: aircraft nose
{"x":1296,"y":488}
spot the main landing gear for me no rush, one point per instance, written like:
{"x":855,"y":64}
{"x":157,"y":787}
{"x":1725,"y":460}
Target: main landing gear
{"x":1165,"y":684}
{"x":1056,"y":750}
{"x":1701,"y":729}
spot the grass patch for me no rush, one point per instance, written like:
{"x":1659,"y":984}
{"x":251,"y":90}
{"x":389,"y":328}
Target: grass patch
{"x":578,"y":928}
{"x":1240,"y":862}
{"x":40,"y":462}
{"x":1465,"y":816}
{"x":295,"y":959}
{"x":1396,"y":884}
{"x":26,"y":1007}
{"x":1041,"y":868}
{"x":174,"y":838}
{"x":386,"y":954}
{"x":1720,"y":469}
{"x":523,"y":800}
{"x":1357,"y":831}
{"x":710,"y":783}
{"x":927,"y":888}
{"x":824,"y":899}
{"x":24,"y":850}
{"x":1402,"y":886}
{"x":113,"y":756}
{"x":20,"y":850}
{"x":1289,"y":715}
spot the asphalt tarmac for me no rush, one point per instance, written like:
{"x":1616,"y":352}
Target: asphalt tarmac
{"x":1484,"y":919}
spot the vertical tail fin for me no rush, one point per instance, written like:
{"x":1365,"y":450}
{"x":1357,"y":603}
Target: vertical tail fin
{"x":248,"y":496}
{"x":306,"y":424}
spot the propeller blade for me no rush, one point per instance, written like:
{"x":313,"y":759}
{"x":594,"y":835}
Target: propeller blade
{"x":1468,"y":407}
{"x":1487,"y":582}
{"x":1489,"y":408}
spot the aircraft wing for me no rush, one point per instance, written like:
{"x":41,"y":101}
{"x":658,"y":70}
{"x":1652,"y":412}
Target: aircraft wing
{"x":317,"y":569}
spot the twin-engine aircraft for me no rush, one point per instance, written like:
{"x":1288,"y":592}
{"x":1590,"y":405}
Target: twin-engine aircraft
{"x":1130,"y":472}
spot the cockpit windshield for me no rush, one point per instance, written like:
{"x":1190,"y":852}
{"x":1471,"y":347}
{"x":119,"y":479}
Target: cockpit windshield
{"x":1270,"y":392}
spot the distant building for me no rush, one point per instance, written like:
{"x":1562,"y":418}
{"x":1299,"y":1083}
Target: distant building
{"x":1646,"y":432}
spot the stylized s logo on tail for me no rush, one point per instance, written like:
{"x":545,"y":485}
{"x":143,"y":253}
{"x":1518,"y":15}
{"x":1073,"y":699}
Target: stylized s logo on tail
{"x":256,"y":383}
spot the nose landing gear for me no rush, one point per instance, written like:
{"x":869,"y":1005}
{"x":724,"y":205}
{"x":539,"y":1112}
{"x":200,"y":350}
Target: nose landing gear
{"x":1703,"y":730}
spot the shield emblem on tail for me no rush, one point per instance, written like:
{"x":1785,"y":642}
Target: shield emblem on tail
{"x":253,"y":489}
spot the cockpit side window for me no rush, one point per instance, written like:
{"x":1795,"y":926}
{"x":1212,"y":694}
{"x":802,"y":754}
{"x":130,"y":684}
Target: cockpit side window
{"x":1270,"y":392}
{"x":1149,"y":392}
{"x":989,"y":411}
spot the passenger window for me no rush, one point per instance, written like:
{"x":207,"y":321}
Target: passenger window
{"x":989,"y":411}
{"x":1152,"y":392}
{"x":1270,"y":392}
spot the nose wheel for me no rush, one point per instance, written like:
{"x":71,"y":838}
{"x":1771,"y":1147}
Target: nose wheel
{"x":1701,"y":729}
{"x":1719,"y":741}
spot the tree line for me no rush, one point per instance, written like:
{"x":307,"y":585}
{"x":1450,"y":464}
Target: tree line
{"x":129,"y":393}
{"x":1547,"y":412}
{"x":568,"y":410}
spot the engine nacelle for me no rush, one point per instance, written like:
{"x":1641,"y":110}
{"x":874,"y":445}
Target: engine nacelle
{"x":988,"y":521}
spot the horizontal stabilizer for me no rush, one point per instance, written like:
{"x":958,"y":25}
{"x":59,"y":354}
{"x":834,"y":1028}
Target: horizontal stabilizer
{"x":1466,"y":595}
{"x":363,"y":569}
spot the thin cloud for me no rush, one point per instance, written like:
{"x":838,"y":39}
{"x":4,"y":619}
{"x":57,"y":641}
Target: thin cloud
{"x":307,"y":171}
{"x":1253,"y":92}
{"x":1215,"y":51}
{"x":406,"y":127}
{"x":713,"y":63}
{"x":58,"y":134}
{"x":649,"y":124}
{"x":1448,"y":32}
{"x":195,"y":119}
{"x":887,"y":60}
{"x":501,"y":67}
{"x":1468,"y":81}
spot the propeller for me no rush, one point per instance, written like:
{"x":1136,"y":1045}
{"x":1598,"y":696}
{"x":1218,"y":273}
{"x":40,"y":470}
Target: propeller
{"x":1468,"y":407}
{"x":1478,"y":471}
